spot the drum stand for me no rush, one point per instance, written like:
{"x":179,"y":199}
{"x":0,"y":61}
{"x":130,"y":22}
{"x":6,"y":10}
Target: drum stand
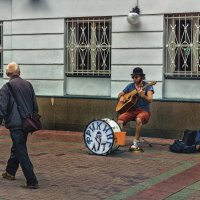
{"x":145,"y":141}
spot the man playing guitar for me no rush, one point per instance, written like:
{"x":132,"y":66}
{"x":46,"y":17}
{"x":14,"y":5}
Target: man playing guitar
{"x":139,"y":112}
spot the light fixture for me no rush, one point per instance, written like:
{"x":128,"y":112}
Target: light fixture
{"x":134,"y":15}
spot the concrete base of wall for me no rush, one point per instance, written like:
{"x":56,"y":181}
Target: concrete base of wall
{"x":168,"y":119}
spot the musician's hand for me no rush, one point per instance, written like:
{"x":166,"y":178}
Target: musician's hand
{"x":141,"y":94}
{"x":122,"y":99}
{"x":120,"y":94}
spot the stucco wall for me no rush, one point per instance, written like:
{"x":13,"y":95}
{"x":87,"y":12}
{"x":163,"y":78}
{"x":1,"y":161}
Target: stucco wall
{"x":34,"y":35}
{"x":5,"y":9}
{"x":37,"y":46}
{"x":66,"y":8}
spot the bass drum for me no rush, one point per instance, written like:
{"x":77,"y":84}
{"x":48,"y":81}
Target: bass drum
{"x":99,"y":136}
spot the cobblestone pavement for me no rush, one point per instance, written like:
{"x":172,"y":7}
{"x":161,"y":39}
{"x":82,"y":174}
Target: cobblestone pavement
{"x":66,"y":171}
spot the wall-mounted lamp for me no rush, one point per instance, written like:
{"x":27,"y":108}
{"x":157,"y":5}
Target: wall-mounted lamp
{"x":134,"y":15}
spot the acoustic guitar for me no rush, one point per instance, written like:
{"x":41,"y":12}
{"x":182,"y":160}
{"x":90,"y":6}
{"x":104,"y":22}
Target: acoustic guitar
{"x":130,"y":99}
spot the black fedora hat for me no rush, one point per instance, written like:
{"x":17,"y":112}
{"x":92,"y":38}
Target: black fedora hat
{"x":137,"y":71}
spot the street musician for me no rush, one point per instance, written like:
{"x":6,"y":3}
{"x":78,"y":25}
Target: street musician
{"x":133,"y":104}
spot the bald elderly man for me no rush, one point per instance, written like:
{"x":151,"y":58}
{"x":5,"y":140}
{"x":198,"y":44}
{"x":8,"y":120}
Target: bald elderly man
{"x":10,"y":115}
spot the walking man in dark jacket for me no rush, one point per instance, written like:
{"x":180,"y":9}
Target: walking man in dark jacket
{"x":9,"y":112}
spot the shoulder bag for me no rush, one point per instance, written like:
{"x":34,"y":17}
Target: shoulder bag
{"x":31,"y":122}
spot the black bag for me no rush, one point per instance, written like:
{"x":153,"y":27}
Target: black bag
{"x":191,"y":137}
{"x":177,"y":146}
{"x":32,"y":123}
{"x":180,"y":147}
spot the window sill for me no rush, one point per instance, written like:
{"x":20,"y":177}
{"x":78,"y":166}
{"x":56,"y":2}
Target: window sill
{"x":90,"y":76}
{"x":182,"y":77}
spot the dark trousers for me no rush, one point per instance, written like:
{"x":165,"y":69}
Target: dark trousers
{"x":19,"y":156}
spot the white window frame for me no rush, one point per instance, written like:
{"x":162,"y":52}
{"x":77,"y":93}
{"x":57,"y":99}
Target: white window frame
{"x":1,"y":49}
{"x":88,"y":47}
{"x":182,"y":53}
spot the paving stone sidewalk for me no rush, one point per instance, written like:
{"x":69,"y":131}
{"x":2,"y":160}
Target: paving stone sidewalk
{"x":66,"y":171}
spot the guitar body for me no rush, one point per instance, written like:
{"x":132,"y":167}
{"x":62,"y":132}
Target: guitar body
{"x":130,"y":101}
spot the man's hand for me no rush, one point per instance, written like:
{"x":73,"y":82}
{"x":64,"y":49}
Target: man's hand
{"x":121,"y":94}
{"x":148,"y":97}
{"x":141,"y":94}
{"x":122,"y":99}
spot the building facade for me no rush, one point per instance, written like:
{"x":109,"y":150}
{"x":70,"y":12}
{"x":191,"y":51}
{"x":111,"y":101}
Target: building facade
{"x":79,"y":55}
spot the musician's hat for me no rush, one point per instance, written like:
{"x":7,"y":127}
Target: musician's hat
{"x":137,"y":71}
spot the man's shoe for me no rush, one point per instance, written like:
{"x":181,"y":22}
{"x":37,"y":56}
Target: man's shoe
{"x":36,"y":186}
{"x":136,"y":148}
{"x":8,"y":176}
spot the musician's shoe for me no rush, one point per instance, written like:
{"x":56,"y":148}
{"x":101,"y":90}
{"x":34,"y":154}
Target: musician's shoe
{"x":135,"y":148}
{"x":8,"y":176}
{"x":26,"y":186}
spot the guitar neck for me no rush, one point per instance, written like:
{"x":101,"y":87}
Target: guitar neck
{"x":144,"y":87}
{"x":135,"y":91}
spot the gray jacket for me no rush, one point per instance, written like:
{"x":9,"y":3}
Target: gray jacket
{"x":9,"y":112}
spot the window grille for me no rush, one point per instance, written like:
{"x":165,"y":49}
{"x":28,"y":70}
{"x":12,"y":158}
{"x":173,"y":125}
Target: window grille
{"x":88,"y":48}
{"x":182,"y":45}
{"x":1,"y":49}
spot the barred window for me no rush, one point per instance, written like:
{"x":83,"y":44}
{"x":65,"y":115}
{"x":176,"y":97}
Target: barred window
{"x":183,"y":45}
{"x":88,"y":48}
{"x":1,"y":49}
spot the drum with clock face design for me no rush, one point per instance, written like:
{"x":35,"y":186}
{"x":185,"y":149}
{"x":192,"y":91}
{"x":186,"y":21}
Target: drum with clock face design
{"x":99,"y":136}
